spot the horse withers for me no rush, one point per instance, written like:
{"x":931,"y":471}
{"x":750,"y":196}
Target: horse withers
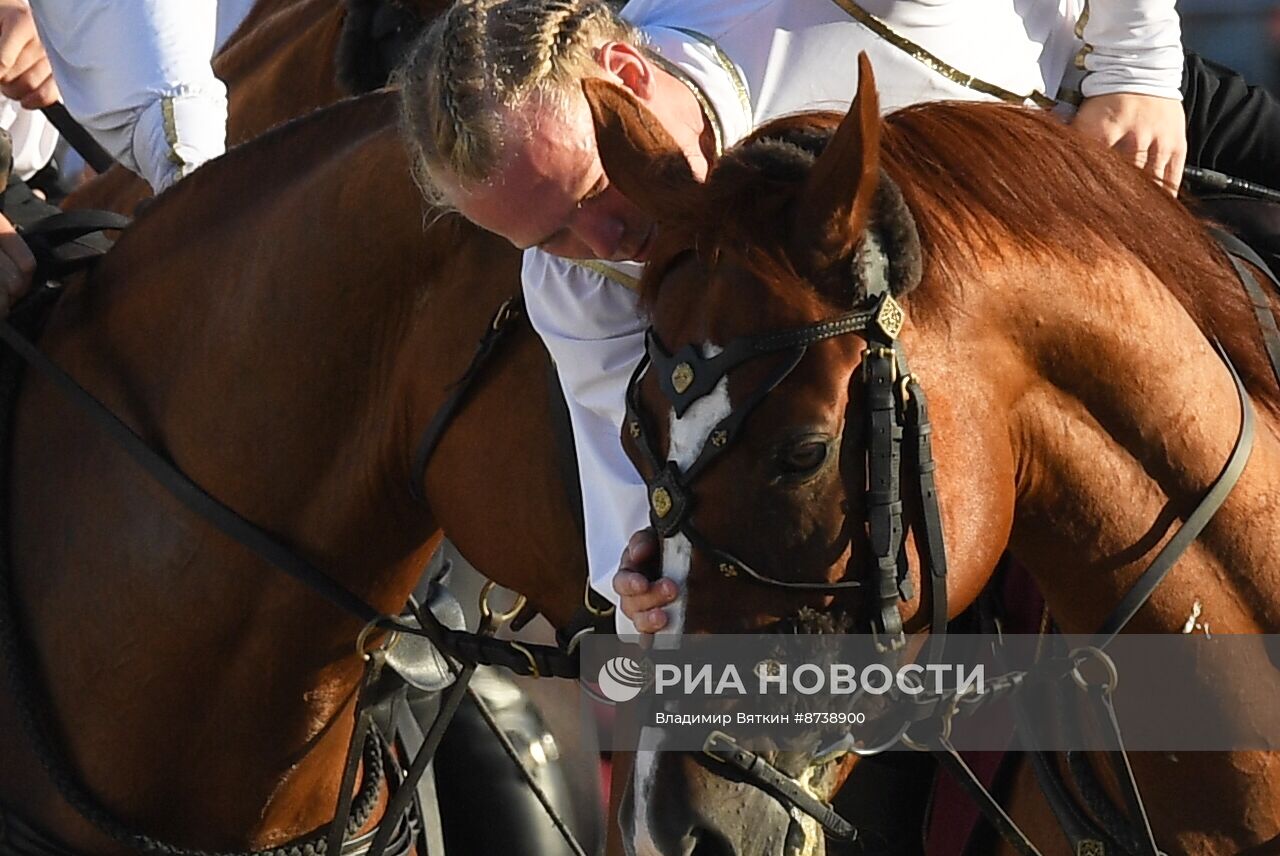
{"x":1056,"y":306}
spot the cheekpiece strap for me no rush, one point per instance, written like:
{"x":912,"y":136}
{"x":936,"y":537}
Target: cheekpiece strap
{"x":884,"y":488}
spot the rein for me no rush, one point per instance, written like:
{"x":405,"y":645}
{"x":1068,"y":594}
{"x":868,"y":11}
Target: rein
{"x":896,"y":406}
{"x":402,"y":816}
{"x":895,"y":409}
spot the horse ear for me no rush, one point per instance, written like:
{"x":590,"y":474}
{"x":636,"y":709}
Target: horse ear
{"x":638,"y":154}
{"x":835,"y":204}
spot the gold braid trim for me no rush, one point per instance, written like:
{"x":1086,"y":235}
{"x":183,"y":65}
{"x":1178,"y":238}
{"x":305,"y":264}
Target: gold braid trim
{"x":884,"y":31}
{"x":609,"y":273}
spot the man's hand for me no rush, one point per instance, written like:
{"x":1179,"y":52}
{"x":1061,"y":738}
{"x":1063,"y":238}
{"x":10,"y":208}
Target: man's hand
{"x":16,"y":266}
{"x":25,"y":75}
{"x":1149,"y":130}
{"x":642,"y":600}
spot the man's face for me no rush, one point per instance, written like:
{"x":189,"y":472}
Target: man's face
{"x":551,"y":191}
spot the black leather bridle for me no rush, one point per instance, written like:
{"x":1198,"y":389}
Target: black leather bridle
{"x":894,"y":410}
{"x":894,"y":406}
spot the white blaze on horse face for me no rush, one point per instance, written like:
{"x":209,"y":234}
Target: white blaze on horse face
{"x":813,"y":835}
{"x":645,"y":775}
{"x":688,"y":434}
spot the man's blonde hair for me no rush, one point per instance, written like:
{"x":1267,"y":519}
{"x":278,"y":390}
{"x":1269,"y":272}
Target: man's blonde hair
{"x":481,"y":59}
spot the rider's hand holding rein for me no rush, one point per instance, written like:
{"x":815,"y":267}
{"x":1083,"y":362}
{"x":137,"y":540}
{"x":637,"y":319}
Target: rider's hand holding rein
{"x":16,"y":266}
{"x":639,"y":582}
{"x":1133,"y":66}
{"x":25,"y":74}
{"x":1147,"y":129}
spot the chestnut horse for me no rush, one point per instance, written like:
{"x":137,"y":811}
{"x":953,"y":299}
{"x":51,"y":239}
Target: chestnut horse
{"x":1060,"y":327}
{"x":282,"y":325}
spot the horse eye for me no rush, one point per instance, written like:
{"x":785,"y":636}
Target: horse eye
{"x":803,"y":457}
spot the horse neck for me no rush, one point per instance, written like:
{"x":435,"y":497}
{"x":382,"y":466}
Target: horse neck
{"x":273,"y":341}
{"x":282,"y":325}
{"x":1120,"y":417}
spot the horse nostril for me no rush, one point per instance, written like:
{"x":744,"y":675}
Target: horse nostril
{"x":708,"y":842}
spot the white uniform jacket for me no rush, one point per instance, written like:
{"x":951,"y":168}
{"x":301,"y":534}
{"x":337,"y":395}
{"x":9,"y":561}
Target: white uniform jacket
{"x":136,"y":73}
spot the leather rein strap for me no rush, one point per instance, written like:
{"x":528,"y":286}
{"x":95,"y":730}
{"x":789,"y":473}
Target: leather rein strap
{"x":470,"y":648}
{"x":542,"y":660}
{"x":1133,"y":834}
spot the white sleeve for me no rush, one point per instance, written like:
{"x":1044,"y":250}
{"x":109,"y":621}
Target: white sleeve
{"x":34,"y":138}
{"x":1133,"y":46}
{"x":136,"y":73}
{"x":594,"y":331}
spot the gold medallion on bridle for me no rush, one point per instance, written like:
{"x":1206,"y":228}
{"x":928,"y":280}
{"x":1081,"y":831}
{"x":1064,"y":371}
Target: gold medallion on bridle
{"x":682,"y":377}
{"x":1090,"y":847}
{"x":890,"y":317}
{"x":661,"y":501}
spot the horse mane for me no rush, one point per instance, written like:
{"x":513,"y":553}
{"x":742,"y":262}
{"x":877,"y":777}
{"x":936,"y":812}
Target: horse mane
{"x":375,"y":37}
{"x":982,"y":180}
{"x":981,"y":174}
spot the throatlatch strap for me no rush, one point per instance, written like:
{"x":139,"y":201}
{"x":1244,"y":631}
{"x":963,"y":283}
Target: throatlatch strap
{"x":511,"y":310}
{"x":932,"y":547}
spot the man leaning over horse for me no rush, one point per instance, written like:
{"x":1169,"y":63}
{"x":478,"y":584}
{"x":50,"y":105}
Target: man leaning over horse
{"x":493,"y":105}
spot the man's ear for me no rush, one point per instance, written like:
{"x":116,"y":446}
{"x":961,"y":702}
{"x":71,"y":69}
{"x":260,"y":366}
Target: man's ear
{"x":627,"y":65}
{"x":641,"y":159}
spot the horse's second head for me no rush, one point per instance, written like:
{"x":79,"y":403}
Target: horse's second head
{"x":773,"y":290}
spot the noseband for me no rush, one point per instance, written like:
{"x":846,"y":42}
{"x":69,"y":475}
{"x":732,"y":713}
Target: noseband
{"x":894,"y":407}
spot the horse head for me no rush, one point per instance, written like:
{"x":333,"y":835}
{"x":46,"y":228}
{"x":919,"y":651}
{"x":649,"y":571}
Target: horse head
{"x":778,"y":293}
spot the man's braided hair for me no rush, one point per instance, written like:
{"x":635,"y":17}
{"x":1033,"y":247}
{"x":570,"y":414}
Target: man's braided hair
{"x":482,"y":58}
